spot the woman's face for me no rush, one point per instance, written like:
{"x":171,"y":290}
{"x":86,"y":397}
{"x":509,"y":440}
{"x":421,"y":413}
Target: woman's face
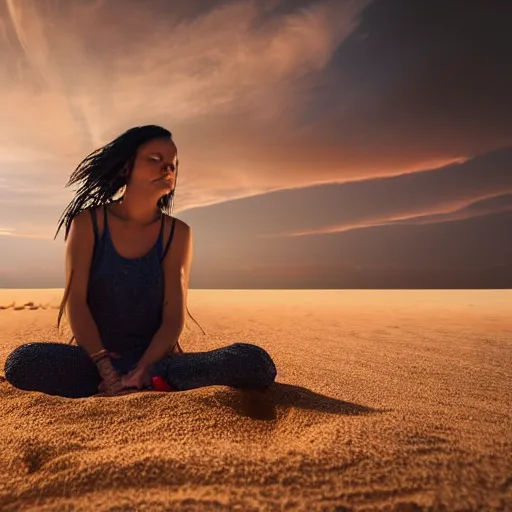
{"x":155,"y":167}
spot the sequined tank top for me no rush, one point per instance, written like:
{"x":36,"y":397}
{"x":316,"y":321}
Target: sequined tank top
{"x":125,"y":295}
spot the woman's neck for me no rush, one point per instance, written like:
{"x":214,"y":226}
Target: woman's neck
{"x":132,"y":215}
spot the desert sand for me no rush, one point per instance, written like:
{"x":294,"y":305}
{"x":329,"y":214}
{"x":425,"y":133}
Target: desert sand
{"x":384,"y":400}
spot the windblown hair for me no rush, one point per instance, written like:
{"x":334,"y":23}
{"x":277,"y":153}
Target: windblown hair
{"x":102,"y":178}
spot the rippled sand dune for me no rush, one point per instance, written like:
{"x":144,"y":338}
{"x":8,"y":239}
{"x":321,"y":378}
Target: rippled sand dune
{"x":384,"y":400}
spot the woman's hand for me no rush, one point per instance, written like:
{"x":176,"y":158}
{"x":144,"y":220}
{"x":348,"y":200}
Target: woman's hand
{"x":137,"y":378}
{"x":116,"y":389}
{"x":113,"y":388}
{"x":111,"y":384}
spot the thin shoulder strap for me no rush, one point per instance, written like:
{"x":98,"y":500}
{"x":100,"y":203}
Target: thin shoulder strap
{"x":94,"y":223}
{"x":162,"y":222}
{"x":160,"y":239}
{"x":94,"y":227}
{"x":168,"y":244}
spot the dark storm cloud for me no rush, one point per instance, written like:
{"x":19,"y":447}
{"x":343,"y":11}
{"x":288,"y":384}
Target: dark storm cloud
{"x":427,"y":77}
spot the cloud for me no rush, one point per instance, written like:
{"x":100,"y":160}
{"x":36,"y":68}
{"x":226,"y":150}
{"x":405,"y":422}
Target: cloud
{"x":152,"y":64}
{"x":438,"y":195}
{"x":202,"y":73}
{"x":254,"y":232}
{"x":290,"y":96}
{"x":444,"y":212}
{"x":469,"y":247}
{"x":430,"y":78}
{"x":306,"y":118}
{"x":486,"y":206}
{"x":17,"y":234}
{"x":341,"y":207}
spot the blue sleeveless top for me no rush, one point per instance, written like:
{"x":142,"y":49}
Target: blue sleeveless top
{"x":125,"y":295}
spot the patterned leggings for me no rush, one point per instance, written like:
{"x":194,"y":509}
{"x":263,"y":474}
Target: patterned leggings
{"x":68,"y":371}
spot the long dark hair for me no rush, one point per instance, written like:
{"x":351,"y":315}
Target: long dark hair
{"x":102,"y":176}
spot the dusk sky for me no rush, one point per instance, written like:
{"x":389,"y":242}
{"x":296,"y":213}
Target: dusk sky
{"x":322,"y":144}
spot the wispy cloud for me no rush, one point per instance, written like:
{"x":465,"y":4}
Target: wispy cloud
{"x":485,"y":206}
{"x":153,"y":66}
{"x":432,"y":195}
{"x":202,"y":76}
{"x":18,"y":234}
{"x":444,"y":212}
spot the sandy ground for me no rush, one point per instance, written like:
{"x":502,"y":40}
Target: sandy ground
{"x":384,"y":400}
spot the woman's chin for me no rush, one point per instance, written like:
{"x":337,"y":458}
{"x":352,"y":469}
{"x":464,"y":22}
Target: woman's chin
{"x":161,"y":184}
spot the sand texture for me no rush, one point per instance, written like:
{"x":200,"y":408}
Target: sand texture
{"x":384,"y":400}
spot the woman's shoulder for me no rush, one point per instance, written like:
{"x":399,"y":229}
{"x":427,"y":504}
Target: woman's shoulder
{"x":180,"y":225}
{"x":179,"y":230}
{"x":86,"y":212}
{"x":85,"y":218}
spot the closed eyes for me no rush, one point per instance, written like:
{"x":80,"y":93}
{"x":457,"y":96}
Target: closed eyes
{"x":159,"y":158}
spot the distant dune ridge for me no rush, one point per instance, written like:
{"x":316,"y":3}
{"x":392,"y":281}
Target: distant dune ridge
{"x":384,"y":400}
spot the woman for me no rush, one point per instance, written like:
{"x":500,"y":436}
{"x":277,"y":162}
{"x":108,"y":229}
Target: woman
{"x":128,"y":263}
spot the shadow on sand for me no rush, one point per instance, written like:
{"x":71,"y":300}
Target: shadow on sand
{"x":263,"y":404}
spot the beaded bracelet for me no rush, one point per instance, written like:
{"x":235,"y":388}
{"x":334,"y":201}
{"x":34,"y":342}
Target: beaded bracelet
{"x":99,"y":355}
{"x":101,"y":359}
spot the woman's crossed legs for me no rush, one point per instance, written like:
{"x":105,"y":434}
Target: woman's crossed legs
{"x":68,"y":371}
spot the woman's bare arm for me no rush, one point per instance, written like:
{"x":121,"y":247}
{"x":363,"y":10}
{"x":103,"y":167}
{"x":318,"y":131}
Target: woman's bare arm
{"x":176,"y":268}
{"x":79,"y":249}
